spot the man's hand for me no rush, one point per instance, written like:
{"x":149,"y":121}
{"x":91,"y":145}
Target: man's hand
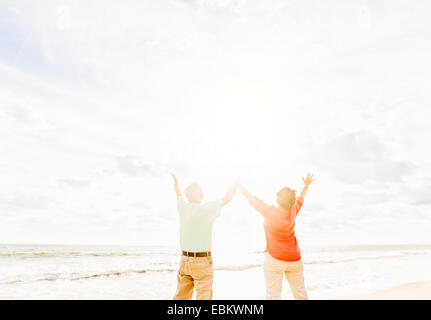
{"x":229,"y":195}
{"x":176,"y":187}
{"x":308,"y":180}
{"x":237,"y":183}
{"x":175,"y":178}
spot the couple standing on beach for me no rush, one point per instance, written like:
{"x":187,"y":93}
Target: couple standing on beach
{"x":282,"y":254}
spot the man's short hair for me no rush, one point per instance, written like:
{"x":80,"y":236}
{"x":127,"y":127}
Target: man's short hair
{"x":286,"y":198}
{"x":193,"y":191}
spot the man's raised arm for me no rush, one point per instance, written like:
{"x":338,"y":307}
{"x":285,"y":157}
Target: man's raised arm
{"x":176,"y":187}
{"x":229,"y":195}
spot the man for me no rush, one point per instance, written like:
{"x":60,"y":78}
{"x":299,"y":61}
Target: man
{"x":196,"y":225}
{"x":282,"y":254}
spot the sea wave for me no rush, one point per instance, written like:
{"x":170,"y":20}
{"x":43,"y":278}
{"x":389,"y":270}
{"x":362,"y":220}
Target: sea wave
{"x":47,"y":254}
{"x":86,"y":276}
{"x":359,"y":258}
{"x":167,"y":264}
{"x":71,"y":254}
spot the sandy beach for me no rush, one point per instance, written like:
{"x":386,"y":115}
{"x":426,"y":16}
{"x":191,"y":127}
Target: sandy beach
{"x":408,"y":291}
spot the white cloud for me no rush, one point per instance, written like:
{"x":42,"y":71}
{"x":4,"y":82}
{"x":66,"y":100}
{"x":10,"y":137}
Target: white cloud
{"x":417,"y":194}
{"x":74,"y":182}
{"x":361,"y":157}
{"x":133,"y":166}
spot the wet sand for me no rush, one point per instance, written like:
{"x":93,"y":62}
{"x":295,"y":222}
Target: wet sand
{"x":408,"y":291}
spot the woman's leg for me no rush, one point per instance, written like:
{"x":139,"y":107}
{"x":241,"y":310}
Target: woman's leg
{"x":295,"y":276}
{"x":273,"y":278}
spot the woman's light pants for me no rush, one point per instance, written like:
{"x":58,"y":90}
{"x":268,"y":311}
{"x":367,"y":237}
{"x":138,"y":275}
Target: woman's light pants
{"x":292,"y":270}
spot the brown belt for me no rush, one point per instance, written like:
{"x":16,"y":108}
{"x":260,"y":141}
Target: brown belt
{"x":197,"y":254}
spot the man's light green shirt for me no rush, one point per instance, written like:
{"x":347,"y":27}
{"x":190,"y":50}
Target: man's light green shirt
{"x":196,"y":224}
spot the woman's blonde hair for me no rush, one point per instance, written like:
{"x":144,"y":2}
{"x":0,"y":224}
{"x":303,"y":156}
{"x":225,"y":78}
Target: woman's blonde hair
{"x":286,"y":198}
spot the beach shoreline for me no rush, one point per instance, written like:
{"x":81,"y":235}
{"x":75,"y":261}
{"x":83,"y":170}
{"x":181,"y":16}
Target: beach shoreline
{"x":149,"y":272}
{"x":408,"y":291}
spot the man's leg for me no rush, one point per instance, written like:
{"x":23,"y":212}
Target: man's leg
{"x":184,"y":282}
{"x":203,"y":274}
{"x":273,"y":278}
{"x":295,"y":277}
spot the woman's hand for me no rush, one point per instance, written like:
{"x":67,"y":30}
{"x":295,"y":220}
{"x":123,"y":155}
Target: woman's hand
{"x":308,"y":180}
{"x":245,"y":192}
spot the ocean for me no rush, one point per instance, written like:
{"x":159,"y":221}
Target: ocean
{"x":149,"y":272}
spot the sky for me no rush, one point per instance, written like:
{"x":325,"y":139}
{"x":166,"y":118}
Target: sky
{"x":100,"y":100}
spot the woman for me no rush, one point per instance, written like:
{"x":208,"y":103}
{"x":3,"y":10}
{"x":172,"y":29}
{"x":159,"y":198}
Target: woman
{"x":282,"y":254}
